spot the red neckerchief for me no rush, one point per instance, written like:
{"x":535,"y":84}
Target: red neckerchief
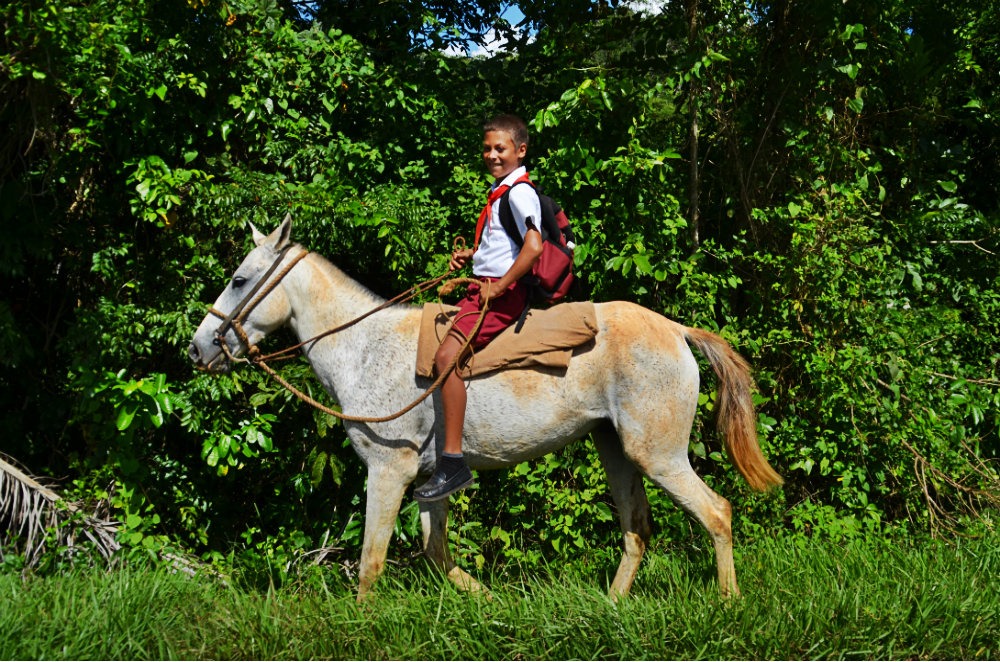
{"x":494,"y":195}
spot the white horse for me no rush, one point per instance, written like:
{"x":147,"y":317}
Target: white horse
{"x":634,"y":389}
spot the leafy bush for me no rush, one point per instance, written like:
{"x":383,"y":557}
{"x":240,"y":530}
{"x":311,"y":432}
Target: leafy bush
{"x":837,"y":223}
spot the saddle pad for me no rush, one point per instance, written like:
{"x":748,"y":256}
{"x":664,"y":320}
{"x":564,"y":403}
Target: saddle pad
{"x":547,"y":339}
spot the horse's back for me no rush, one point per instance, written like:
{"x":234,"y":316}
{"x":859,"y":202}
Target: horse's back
{"x":633,"y":333}
{"x":638,"y":367}
{"x":635,"y":349}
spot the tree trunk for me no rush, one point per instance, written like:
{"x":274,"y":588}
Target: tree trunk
{"x":694,"y":187}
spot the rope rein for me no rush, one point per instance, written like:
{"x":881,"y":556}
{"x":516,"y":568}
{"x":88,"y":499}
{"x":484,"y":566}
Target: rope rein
{"x":254,"y":356}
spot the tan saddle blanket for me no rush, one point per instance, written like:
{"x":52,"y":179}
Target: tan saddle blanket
{"x":546,"y":339}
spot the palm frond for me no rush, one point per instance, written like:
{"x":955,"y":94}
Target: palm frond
{"x":33,"y":515}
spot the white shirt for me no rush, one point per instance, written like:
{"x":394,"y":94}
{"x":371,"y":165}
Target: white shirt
{"x":497,"y":251}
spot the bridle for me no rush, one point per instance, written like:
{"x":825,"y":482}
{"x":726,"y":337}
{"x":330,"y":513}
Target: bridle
{"x":235,"y":319}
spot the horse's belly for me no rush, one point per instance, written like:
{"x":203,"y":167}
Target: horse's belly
{"x":525,"y":418}
{"x":516,"y":446}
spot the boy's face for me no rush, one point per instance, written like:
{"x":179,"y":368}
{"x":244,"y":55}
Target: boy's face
{"x":500,"y":153}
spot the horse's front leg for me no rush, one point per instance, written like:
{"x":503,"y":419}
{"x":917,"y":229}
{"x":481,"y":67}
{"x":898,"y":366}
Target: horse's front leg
{"x":384,"y":496}
{"x":434,"y":522}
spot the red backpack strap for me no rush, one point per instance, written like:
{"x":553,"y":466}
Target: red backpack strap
{"x":498,"y":192}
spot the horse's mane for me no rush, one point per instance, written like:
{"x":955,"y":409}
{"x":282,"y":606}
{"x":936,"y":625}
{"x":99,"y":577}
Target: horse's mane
{"x":349,"y":284}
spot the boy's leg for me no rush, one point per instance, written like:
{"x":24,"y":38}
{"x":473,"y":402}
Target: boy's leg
{"x":453,"y":395}
{"x":452,"y":473}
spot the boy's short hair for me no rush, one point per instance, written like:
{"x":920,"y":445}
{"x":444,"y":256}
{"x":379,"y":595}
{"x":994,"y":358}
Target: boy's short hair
{"x":512,"y":124}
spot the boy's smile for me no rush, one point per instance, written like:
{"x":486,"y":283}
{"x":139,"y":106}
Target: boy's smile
{"x":500,"y":154}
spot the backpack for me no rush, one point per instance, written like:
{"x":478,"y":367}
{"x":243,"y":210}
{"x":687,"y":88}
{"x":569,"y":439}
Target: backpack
{"x":552,"y":274}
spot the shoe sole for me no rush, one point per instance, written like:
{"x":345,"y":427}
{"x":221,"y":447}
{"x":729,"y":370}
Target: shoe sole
{"x":447,"y":494}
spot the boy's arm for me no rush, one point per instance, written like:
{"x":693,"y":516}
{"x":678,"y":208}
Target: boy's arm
{"x":526,"y":259}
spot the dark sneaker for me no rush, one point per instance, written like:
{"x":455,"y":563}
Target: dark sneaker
{"x":449,"y":477}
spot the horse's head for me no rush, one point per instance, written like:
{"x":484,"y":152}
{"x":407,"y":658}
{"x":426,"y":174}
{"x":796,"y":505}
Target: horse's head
{"x":252,"y":305}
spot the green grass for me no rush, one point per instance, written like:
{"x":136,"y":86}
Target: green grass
{"x":801,"y":599}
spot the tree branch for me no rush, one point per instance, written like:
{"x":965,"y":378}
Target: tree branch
{"x":30,"y":512}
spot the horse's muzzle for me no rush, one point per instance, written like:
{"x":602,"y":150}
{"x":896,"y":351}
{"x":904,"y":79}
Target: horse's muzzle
{"x":216,"y":364}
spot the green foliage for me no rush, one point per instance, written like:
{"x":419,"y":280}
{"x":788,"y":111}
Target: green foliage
{"x":558,"y":504}
{"x":842,"y":235}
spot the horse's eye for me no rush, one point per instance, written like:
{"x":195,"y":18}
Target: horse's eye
{"x":239,"y":281}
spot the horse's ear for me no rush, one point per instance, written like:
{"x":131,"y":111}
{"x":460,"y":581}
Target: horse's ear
{"x":258,"y":236}
{"x":284,"y":232}
{"x":278,"y":239}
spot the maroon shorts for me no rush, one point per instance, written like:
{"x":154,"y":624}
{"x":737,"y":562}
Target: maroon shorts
{"x":502,"y":312}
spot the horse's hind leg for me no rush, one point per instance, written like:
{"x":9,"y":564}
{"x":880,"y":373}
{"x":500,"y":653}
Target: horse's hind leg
{"x":629,"y":495}
{"x":434,"y":522}
{"x":675,"y":475}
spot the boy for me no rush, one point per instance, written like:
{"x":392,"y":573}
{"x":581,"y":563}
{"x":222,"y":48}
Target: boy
{"x":499,"y":264}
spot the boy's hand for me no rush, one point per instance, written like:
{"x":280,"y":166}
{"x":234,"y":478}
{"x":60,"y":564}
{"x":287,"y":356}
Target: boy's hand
{"x":489,"y":291}
{"x":460,"y":257}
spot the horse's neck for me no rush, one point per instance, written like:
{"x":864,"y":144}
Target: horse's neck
{"x":360,"y":362}
{"x":323,"y":297}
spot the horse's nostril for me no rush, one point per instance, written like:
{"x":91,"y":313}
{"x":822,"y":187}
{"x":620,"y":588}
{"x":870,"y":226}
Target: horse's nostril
{"x":193,"y":353}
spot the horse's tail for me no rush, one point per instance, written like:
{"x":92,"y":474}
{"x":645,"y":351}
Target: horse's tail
{"x":737,"y":422}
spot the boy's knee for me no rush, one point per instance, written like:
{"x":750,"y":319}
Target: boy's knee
{"x":441,"y":359}
{"x":445,"y":354}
